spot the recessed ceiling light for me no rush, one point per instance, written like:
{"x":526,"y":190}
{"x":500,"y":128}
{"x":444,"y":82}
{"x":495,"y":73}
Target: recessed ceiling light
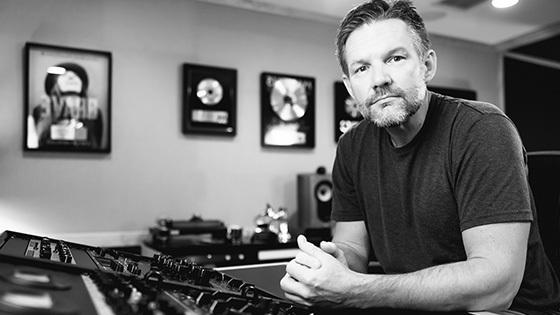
{"x":500,"y":4}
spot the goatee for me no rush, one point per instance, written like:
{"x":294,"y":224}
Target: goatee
{"x":396,"y":112}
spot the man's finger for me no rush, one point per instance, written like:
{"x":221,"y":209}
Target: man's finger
{"x":305,"y":259}
{"x":299,"y":272}
{"x":297,"y":299}
{"x":332,"y":249}
{"x":329,"y":247}
{"x":294,"y":288}
{"x":309,"y":248}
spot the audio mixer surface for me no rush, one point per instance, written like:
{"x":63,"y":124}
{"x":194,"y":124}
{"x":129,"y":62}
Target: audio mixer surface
{"x":39,"y":275}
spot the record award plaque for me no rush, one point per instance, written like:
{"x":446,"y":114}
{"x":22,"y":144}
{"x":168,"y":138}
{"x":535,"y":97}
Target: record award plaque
{"x":346,"y":113}
{"x":209,"y":100}
{"x":287,"y":111}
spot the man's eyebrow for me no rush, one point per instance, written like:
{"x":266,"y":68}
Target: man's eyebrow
{"x":360,"y":61}
{"x":399,"y":49}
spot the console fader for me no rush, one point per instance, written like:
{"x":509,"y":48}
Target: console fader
{"x":39,"y":275}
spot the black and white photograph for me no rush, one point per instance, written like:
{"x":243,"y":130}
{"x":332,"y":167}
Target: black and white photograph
{"x":265,"y":157}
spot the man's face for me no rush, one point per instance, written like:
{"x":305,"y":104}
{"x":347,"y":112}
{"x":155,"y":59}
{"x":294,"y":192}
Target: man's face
{"x":69,"y":82}
{"x":385,"y":74}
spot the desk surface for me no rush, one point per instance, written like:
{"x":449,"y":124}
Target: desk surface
{"x":267,"y":277}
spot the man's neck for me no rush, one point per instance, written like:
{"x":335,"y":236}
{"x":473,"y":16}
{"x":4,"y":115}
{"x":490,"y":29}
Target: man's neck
{"x":403,"y":134}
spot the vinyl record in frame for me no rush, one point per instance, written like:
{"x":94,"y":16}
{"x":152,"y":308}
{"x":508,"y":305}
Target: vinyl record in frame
{"x":287,"y":110}
{"x":346,"y":113}
{"x":209,"y":100}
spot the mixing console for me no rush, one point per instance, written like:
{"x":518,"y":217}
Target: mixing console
{"x":39,"y":275}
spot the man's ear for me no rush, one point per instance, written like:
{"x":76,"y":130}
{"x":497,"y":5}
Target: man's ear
{"x":347,"y":85}
{"x":430,"y":62}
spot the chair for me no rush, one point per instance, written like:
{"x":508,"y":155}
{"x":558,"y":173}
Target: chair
{"x":544,"y":179}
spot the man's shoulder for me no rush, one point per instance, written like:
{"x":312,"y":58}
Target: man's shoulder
{"x":476,"y":121}
{"x":468,"y":107}
{"x":464,"y":114}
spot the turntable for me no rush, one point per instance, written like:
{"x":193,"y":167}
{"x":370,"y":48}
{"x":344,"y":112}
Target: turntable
{"x":194,"y":231}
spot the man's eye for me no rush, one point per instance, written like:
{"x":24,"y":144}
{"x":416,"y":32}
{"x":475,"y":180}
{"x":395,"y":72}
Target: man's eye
{"x":396,"y":58}
{"x":360,"y":69}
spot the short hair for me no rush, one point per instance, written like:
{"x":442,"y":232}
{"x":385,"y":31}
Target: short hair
{"x":50,"y":79}
{"x":378,"y":10}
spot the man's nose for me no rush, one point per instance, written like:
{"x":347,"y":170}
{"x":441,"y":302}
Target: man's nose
{"x":380,"y":77}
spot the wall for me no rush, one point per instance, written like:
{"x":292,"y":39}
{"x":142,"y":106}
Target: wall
{"x":154,"y":170}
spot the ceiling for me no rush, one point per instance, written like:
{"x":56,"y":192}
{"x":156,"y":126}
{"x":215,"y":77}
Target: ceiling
{"x":471,"y":20}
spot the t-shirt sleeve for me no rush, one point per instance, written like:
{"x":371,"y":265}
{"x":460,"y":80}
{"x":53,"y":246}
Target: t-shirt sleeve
{"x":345,"y":206}
{"x":490,"y":175}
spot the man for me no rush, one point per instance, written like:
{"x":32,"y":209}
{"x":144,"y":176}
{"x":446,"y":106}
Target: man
{"x":436,"y":186}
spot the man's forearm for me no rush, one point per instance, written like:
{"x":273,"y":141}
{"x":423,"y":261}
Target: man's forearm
{"x":475,"y":284}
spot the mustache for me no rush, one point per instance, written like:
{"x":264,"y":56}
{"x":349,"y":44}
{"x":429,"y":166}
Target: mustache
{"x":383,"y":93}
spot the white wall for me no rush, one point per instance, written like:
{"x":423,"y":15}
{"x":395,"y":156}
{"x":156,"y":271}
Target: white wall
{"x":154,"y":170}
{"x":469,"y":66}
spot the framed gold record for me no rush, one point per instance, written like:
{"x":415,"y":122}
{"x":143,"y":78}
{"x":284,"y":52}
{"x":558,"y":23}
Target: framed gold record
{"x":209,"y":100}
{"x":287,"y":110}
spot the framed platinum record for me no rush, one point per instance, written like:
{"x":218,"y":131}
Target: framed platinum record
{"x":209,"y":100}
{"x":287,"y":110}
{"x":346,"y":113}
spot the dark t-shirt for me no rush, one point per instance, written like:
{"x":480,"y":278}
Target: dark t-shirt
{"x":466,"y":167}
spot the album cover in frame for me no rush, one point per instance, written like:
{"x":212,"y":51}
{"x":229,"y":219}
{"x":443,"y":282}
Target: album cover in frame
{"x":67,"y":99}
{"x":287,"y":110}
{"x":209,"y":100}
{"x":346,"y":113}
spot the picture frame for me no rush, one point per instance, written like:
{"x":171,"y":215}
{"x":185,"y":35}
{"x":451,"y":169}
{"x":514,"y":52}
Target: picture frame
{"x":209,"y":100}
{"x":67,"y":99}
{"x":287,"y":110}
{"x":467,"y":94}
{"x":346,"y":113}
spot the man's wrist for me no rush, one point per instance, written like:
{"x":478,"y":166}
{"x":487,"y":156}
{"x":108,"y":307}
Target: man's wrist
{"x":356,"y":293}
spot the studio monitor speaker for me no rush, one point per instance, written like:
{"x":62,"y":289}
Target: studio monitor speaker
{"x":315,"y":192}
